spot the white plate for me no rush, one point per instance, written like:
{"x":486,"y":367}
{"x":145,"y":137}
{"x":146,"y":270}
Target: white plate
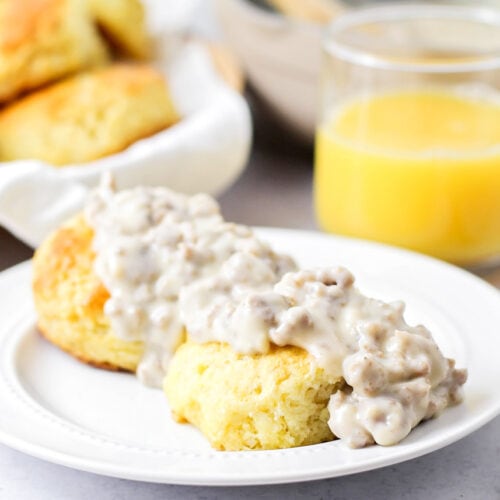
{"x":55,"y":408}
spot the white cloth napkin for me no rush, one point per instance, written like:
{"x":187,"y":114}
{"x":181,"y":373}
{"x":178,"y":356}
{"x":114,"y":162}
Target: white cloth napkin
{"x":205,"y":151}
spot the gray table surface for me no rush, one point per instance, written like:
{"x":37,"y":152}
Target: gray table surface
{"x":275,"y":190}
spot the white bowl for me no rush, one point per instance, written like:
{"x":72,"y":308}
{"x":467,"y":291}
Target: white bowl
{"x":281,"y":57}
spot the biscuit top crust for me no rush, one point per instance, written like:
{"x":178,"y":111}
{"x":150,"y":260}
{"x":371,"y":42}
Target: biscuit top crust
{"x":42,"y":41}
{"x":396,"y":374}
{"x":101,"y":87}
{"x":24,"y":18}
{"x":149,"y":244}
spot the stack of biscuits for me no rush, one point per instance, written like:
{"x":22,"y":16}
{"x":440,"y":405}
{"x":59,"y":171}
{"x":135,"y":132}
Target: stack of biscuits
{"x":75,"y":84}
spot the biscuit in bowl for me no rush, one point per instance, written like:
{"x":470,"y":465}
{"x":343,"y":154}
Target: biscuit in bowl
{"x":123,"y":24}
{"x":87,"y":116}
{"x":250,"y":402}
{"x":44,"y":40}
{"x":69,"y":299}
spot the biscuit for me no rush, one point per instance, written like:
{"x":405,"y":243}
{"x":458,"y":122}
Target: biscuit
{"x":240,"y":402}
{"x":44,"y":40}
{"x":87,"y":116}
{"x":123,"y":24}
{"x":243,"y":402}
{"x":69,"y":300}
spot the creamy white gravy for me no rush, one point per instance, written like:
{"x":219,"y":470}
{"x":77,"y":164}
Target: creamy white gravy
{"x":395,"y":373}
{"x":170,"y":261}
{"x":150,"y":243}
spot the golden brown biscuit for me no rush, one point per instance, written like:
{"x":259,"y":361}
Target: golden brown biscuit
{"x":88,"y":116}
{"x":241,"y":402}
{"x":123,"y":24}
{"x":69,"y":299}
{"x":269,"y":401}
{"x":43,"y":40}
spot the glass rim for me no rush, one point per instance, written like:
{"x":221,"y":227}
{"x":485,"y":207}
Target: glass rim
{"x":481,"y":15}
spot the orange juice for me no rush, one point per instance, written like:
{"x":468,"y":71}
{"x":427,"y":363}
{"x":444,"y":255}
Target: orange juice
{"x":419,"y":169}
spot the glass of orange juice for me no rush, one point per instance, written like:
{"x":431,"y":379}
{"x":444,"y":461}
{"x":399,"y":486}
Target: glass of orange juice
{"x":408,"y":139}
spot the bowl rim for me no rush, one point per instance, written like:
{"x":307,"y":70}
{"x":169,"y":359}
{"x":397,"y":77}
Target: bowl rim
{"x":277,"y":18}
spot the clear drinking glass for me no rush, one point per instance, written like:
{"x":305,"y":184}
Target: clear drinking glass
{"x":408,"y":138}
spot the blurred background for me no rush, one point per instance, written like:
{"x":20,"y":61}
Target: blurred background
{"x":416,"y":162}
{"x":413,"y":162}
